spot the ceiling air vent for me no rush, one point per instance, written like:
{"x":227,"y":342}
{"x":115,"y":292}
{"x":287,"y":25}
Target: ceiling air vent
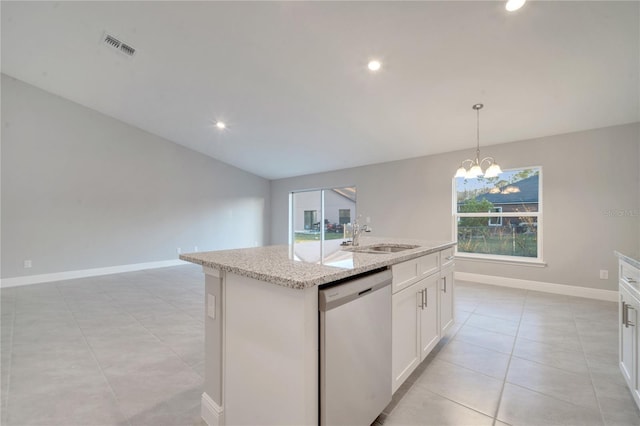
{"x":114,"y":43}
{"x":127,"y":50}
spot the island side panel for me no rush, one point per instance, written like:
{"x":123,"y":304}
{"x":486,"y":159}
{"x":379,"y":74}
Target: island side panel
{"x":212,"y":403}
{"x":271,"y":353}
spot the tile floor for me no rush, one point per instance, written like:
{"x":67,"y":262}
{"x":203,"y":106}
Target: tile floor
{"x":126,"y":350}
{"x":521,"y":358}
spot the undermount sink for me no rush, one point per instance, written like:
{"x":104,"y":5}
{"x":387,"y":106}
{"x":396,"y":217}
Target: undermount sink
{"x":383,"y":248}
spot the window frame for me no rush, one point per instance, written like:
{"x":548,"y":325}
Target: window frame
{"x":500,"y":258}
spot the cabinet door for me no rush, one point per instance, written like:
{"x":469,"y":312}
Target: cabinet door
{"x":429,"y":321}
{"x":628,"y":344}
{"x":405,"y":353}
{"x":447,"y":288}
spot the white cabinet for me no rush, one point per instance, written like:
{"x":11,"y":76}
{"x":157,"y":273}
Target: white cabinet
{"x":447,"y":290}
{"x":422,"y":310}
{"x":428,"y":310}
{"x":629,"y":335}
{"x":415,"y":326}
{"x":405,"y":323}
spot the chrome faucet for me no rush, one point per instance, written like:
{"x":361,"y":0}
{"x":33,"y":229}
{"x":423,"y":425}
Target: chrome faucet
{"x":357,"y":230}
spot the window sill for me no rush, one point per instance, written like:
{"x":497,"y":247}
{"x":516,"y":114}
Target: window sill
{"x":485,"y":259}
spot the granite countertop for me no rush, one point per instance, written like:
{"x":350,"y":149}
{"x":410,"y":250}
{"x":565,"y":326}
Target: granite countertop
{"x":628,"y":259}
{"x":279,"y":265}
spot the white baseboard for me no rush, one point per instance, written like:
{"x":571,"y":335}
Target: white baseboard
{"x":211,"y":413}
{"x":567,"y":290}
{"x":83,"y":273}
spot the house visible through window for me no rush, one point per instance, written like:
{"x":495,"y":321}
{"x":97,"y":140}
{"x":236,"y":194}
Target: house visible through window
{"x":321,"y":213}
{"x":500,"y":217}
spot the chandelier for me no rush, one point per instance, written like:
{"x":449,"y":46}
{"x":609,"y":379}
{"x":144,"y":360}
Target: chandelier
{"x":470,"y":169}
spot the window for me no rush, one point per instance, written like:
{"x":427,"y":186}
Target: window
{"x":311,"y":220}
{"x":496,"y":220}
{"x":501,"y":217}
{"x":344,"y":216}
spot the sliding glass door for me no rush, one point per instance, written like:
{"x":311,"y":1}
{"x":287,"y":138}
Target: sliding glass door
{"x":318,"y":221}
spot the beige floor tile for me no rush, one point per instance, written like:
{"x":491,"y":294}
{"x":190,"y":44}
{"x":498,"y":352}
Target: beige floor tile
{"x":419,"y":407}
{"x":523,"y":407}
{"x":570,"y":387}
{"x":486,"y":339}
{"x":466,"y":387}
{"x":475,"y":358}
{"x":551,"y":355}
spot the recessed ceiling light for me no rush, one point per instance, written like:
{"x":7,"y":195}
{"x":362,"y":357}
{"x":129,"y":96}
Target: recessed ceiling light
{"x":221,"y":125}
{"x":513,"y":5}
{"x":374,"y":65}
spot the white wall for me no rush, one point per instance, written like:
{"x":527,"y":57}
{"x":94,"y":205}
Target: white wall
{"x":81,"y":190}
{"x":586,"y":176}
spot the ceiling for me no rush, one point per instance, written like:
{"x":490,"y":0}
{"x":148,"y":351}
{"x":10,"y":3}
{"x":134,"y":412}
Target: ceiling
{"x":291,"y":82}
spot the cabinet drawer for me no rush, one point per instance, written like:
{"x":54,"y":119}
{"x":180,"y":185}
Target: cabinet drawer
{"x":629,"y":274}
{"x":404,"y":274}
{"x":428,"y":264}
{"x":446,"y":256}
{"x":407,"y":273}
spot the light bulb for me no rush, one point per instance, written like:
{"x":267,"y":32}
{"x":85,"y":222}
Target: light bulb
{"x":374,"y":65}
{"x":474,"y":172}
{"x":513,"y":5}
{"x":461,"y":172}
{"x":220,"y":125}
{"x":493,"y":171}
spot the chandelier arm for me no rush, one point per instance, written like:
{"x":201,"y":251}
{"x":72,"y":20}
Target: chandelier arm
{"x":468,"y":161}
{"x":490,"y":160}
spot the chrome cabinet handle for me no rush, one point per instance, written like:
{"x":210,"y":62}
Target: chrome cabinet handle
{"x":449,"y":258}
{"x":625,"y":315}
{"x":630,"y":280}
{"x":445,"y":284}
{"x":424,"y":298}
{"x":627,"y":322}
{"x":421,"y":304}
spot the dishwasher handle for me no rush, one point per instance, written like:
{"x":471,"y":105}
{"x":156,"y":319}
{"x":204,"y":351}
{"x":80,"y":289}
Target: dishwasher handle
{"x":345,"y":292}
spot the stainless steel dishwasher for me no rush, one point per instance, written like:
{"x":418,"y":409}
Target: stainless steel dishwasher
{"x":355,"y":350}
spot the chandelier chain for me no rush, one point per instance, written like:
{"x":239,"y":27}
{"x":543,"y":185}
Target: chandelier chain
{"x":473,"y":168}
{"x":478,"y":133}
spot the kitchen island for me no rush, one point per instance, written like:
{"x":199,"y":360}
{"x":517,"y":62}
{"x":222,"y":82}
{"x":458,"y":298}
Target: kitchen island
{"x":261,"y":325}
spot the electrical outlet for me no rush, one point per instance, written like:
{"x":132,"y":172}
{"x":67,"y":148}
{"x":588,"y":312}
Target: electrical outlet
{"x":28,"y":264}
{"x":604,"y":274}
{"x":178,"y":250}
